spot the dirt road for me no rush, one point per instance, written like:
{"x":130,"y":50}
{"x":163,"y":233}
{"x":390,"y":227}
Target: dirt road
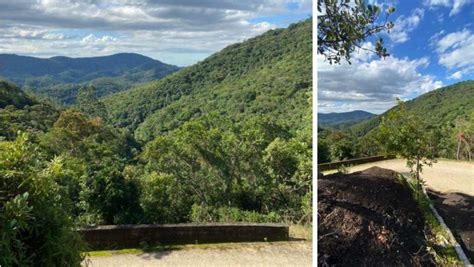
{"x":294,"y":253}
{"x":444,"y":176}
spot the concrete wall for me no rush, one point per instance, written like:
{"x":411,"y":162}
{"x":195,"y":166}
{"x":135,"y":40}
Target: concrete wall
{"x":337,"y":164}
{"x":129,"y":236}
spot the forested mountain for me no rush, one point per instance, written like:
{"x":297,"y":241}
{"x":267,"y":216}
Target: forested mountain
{"x":345,"y":118}
{"x":447,"y":111}
{"x":266,"y":75}
{"x":11,"y":95}
{"x":20,"y":112}
{"x":440,"y":107}
{"x":61,"y":77}
{"x":225,"y":140}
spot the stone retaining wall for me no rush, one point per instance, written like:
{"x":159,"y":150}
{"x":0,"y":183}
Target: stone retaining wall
{"x":129,"y":236}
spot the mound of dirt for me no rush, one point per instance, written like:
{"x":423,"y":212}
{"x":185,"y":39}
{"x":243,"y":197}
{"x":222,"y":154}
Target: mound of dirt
{"x":369,"y":218}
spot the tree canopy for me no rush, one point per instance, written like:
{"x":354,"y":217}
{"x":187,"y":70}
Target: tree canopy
{"x":344,"y":25}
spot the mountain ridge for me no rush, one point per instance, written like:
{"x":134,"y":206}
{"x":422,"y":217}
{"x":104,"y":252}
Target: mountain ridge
{"x":60,"y":77}
{"x":339,"y":119}
{"x":449,"y":102}
{"x":273,"y":67}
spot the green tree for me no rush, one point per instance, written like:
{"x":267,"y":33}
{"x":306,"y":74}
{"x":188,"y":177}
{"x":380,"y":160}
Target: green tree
{"x":35,"y":224}
{"x":344,"y":25}
{"x":405,"y":134}
{"x":89,"y":104}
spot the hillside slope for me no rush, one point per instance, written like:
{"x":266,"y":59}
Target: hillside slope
{"x":20,"y":112}
{"x":267,"y":75}
{"x":60,"y":77}
{"x":343,"y":118}
{"x":438,"y":107}
{"x":11,"y":95}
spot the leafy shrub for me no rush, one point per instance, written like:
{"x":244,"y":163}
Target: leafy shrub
{"x":35,"y":225}
{"x":207,"y":214}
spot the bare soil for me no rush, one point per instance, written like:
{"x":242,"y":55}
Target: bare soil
{"x":369,"y":218}
{"x":457,"y":209}
{"x":444,"y":176}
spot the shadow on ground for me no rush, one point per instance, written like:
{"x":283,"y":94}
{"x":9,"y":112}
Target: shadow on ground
{"x":457,"y":209}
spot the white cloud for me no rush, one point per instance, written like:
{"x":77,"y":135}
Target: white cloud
{"x":453,"y":40}
{"x":455,"y":76}
{"x":405,"y":25}
{"x":455,"y":5}
{"x":174,"y":31}
{"x":92,"y":39}
{"x":32,"y":33}
{"x":456,"y":53}
{"x":371,"y":85}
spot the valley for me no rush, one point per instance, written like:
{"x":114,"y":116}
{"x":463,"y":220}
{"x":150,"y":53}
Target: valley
{"x":225,"y":140}
{"x":60,"y":78}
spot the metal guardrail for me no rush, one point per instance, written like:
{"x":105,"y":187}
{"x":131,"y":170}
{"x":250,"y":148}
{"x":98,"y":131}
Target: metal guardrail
{"x":335,"y":165}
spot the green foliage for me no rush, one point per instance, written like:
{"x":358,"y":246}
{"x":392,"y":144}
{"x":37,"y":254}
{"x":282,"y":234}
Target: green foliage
{"x":407,"y":135}
{"x":344,"y":25}
{"x":251,"y":166}
{"x":453,"y":116}
{"x":323,"y":151}
{"x":36,"y":229}
{"x":61,"y":77}
{"x":98,"y":154}
{"x":342,"y":120}
{"x":336,"y":145}
{"x":229,"y":140}
{"x":20,"y":112}
{"x":242,"y":81}
{"x":11,"y":95}
{"x":89,"y":104}
{"x":206,"y":214}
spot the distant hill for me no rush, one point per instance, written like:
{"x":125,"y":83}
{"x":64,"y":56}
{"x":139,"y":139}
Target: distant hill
{"x":20,"y":112}
{"x":60,"y":77}
{"x":439,"y":107}
{"x":270,"y":74}
{"x":12,"y":95}
{"x":336,"y":119}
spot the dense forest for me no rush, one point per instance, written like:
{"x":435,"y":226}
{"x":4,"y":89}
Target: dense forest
{"x":341,"y":120}
{"x":225,"y":140}
{"x":60,"y":78}
{"x":266,"y":75}
{"x":454,"y":118}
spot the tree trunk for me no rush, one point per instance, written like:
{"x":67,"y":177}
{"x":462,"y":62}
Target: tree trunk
{"x":459,"y":148}
{"x":418,"y":182}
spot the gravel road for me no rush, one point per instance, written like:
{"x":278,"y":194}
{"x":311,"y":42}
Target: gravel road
{"x":444,"y":176}
{"x":294,"y":253}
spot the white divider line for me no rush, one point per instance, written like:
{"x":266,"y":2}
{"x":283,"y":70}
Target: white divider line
{"x":462,"y":256}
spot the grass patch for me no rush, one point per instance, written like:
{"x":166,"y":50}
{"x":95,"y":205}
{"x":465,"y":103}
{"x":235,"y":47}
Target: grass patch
{"x":439,"y":242}
{"x":163,"y":248}
{"x":298,"y":231}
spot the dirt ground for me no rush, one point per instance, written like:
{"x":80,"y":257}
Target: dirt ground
{"x":444,"y":176}
{"x":293,"y":253}
{"x":457,"y":209}
{"x":369,"y":218}
{"x":451,"y":187}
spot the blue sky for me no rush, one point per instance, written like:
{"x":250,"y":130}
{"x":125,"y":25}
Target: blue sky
{"x":179,"y":32}
{"x":432,"y":45}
